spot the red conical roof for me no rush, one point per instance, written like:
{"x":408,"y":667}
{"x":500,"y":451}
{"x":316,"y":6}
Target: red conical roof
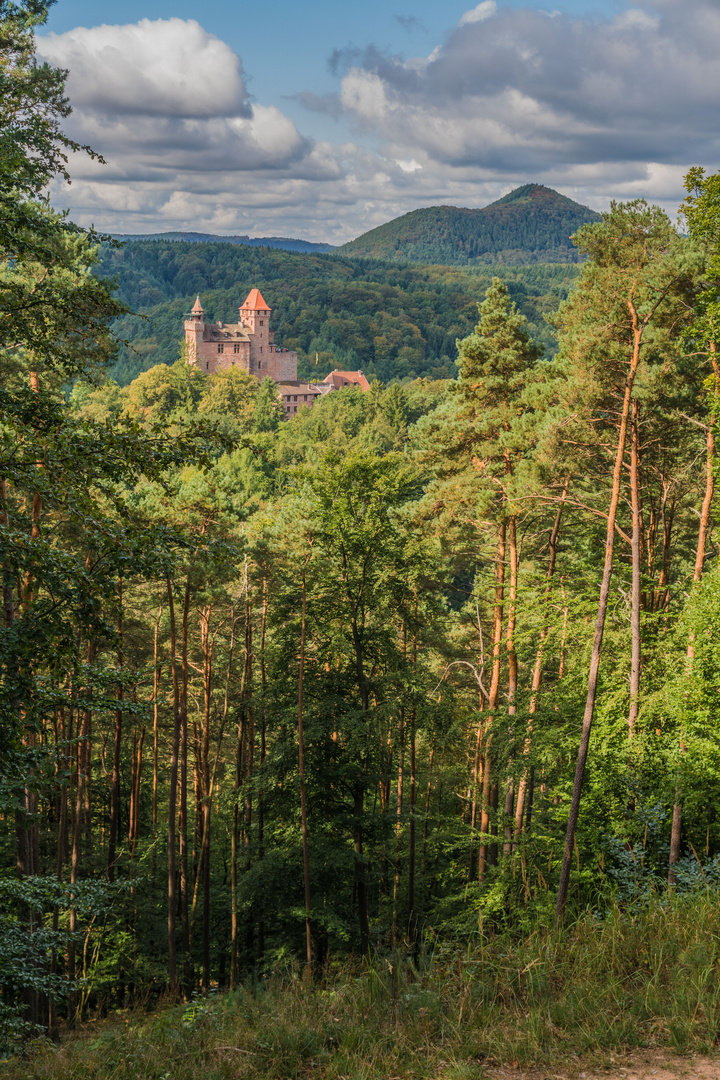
{"x":197,"y":306}
{"x":255,"y":301}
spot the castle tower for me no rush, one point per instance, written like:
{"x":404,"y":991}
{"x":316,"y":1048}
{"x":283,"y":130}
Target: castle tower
{"x":194,"y":329}
{"x":255,"y":314}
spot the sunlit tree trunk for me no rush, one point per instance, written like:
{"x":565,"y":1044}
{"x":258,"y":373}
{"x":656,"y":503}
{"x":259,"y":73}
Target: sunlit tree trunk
{"x":303,"y":798}
{"x":635,"y":657}
{"x":117,"y":747}
{"x":493,"y":695}
{"x":638,"y":328}
{"x":172,"y":796}
{"x":540,"y":655}
{"x":512,"y":675}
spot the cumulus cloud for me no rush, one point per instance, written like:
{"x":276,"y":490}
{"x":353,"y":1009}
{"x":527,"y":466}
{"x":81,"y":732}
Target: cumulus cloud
{"x":166,"y":105}
{"x":483,"y":11}
{"x":166,"y":67}
{"x":511,"y":86}
{"x":160,"y":97}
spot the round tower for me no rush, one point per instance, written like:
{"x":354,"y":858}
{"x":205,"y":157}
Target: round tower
{"x":194,"y":327}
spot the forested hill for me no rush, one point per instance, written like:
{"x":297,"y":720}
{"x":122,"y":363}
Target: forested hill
{"x":531,"y":224}
{"x":284,"y":243}
{"x":392,"y":322}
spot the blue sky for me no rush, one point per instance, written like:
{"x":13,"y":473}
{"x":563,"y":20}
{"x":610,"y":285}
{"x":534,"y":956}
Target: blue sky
{"x":323,"y":119}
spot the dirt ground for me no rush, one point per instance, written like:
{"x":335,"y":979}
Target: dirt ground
{"x":645,"y":1065}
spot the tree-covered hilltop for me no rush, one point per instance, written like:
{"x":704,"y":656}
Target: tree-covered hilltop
{"x":531,"y":224}
{"x":390,"y":322}
{"x":285,"y":243}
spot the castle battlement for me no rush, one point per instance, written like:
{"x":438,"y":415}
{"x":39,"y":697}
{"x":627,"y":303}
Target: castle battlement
{"x":248,"y":344}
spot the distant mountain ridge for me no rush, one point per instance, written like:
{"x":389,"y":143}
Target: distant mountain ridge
{"x":533,"y":223}
{"x":284,"y":243}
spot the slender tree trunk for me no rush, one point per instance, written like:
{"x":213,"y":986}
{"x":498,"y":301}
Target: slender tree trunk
{"x":207,"y":645}
{"x":411,"y":829}
{"x":398,"y":822}
{"x":476,"y":781}
{"x":117,"y":746}
{"x":360,"y":870}
{"x":636,"y":658}
{"x":183,"y":817}
{"x":493,"y":696}
{"x":249,"y":763}
{"x":172,"y":797}
{"x":512,"y":676}
{"x":74,"y":869}
{"x":599,"y":622}
{"x":427,"y":804}
{"x":260,"y":797}
{"x":494,"y":795}
{"x":234,"y":838}
{"x":540,"y":655}
{"x":156,"y":706}
{"x":301,"y":770}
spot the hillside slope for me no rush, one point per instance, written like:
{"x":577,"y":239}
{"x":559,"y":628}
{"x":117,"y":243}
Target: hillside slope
{"x":531,"y":224}
{"x":391,"y":321}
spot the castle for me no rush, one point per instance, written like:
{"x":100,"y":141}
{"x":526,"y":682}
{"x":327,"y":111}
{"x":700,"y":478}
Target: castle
{"x":248,"y":344}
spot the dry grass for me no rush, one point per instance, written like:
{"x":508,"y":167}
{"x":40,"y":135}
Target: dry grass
{"x":633,"y":979}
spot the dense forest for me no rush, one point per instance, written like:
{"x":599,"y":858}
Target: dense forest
{"x":415,"y":677}
{"x":392,"y":323}
{"x":532,"y":224}
{"x":285,"y":243}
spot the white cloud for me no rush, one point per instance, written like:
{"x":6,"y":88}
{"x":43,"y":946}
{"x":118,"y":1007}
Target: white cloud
{"x":485,"y":10}
{"x":522,"y":88}
{"x":169,"y":67}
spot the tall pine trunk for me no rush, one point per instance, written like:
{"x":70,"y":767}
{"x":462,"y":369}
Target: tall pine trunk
{"x":540,"y":656}
{"x":638,"y":328}
{"x":635,"y":594}
{"x":172,"y":797}
{"x":303,"y":798}
{"x":492,"y":696}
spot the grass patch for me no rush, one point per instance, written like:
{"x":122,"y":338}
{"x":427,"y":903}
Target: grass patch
{"x":633,"y":978}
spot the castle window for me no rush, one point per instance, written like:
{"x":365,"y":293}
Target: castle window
{"x":207,"y":366}
{"x":221,"y":348}
{"x":262,"y":322}
{"x":236,"y":347}
{"x":261,"y":348}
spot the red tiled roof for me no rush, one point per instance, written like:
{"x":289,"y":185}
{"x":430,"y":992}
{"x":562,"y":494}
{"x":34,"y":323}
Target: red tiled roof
{"x":339,"y":379}
{"x":255,"y":301}
{"x":197,"y":306}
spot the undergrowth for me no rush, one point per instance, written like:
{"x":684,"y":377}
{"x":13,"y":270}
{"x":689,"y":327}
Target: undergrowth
{"x":648,"y":976}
